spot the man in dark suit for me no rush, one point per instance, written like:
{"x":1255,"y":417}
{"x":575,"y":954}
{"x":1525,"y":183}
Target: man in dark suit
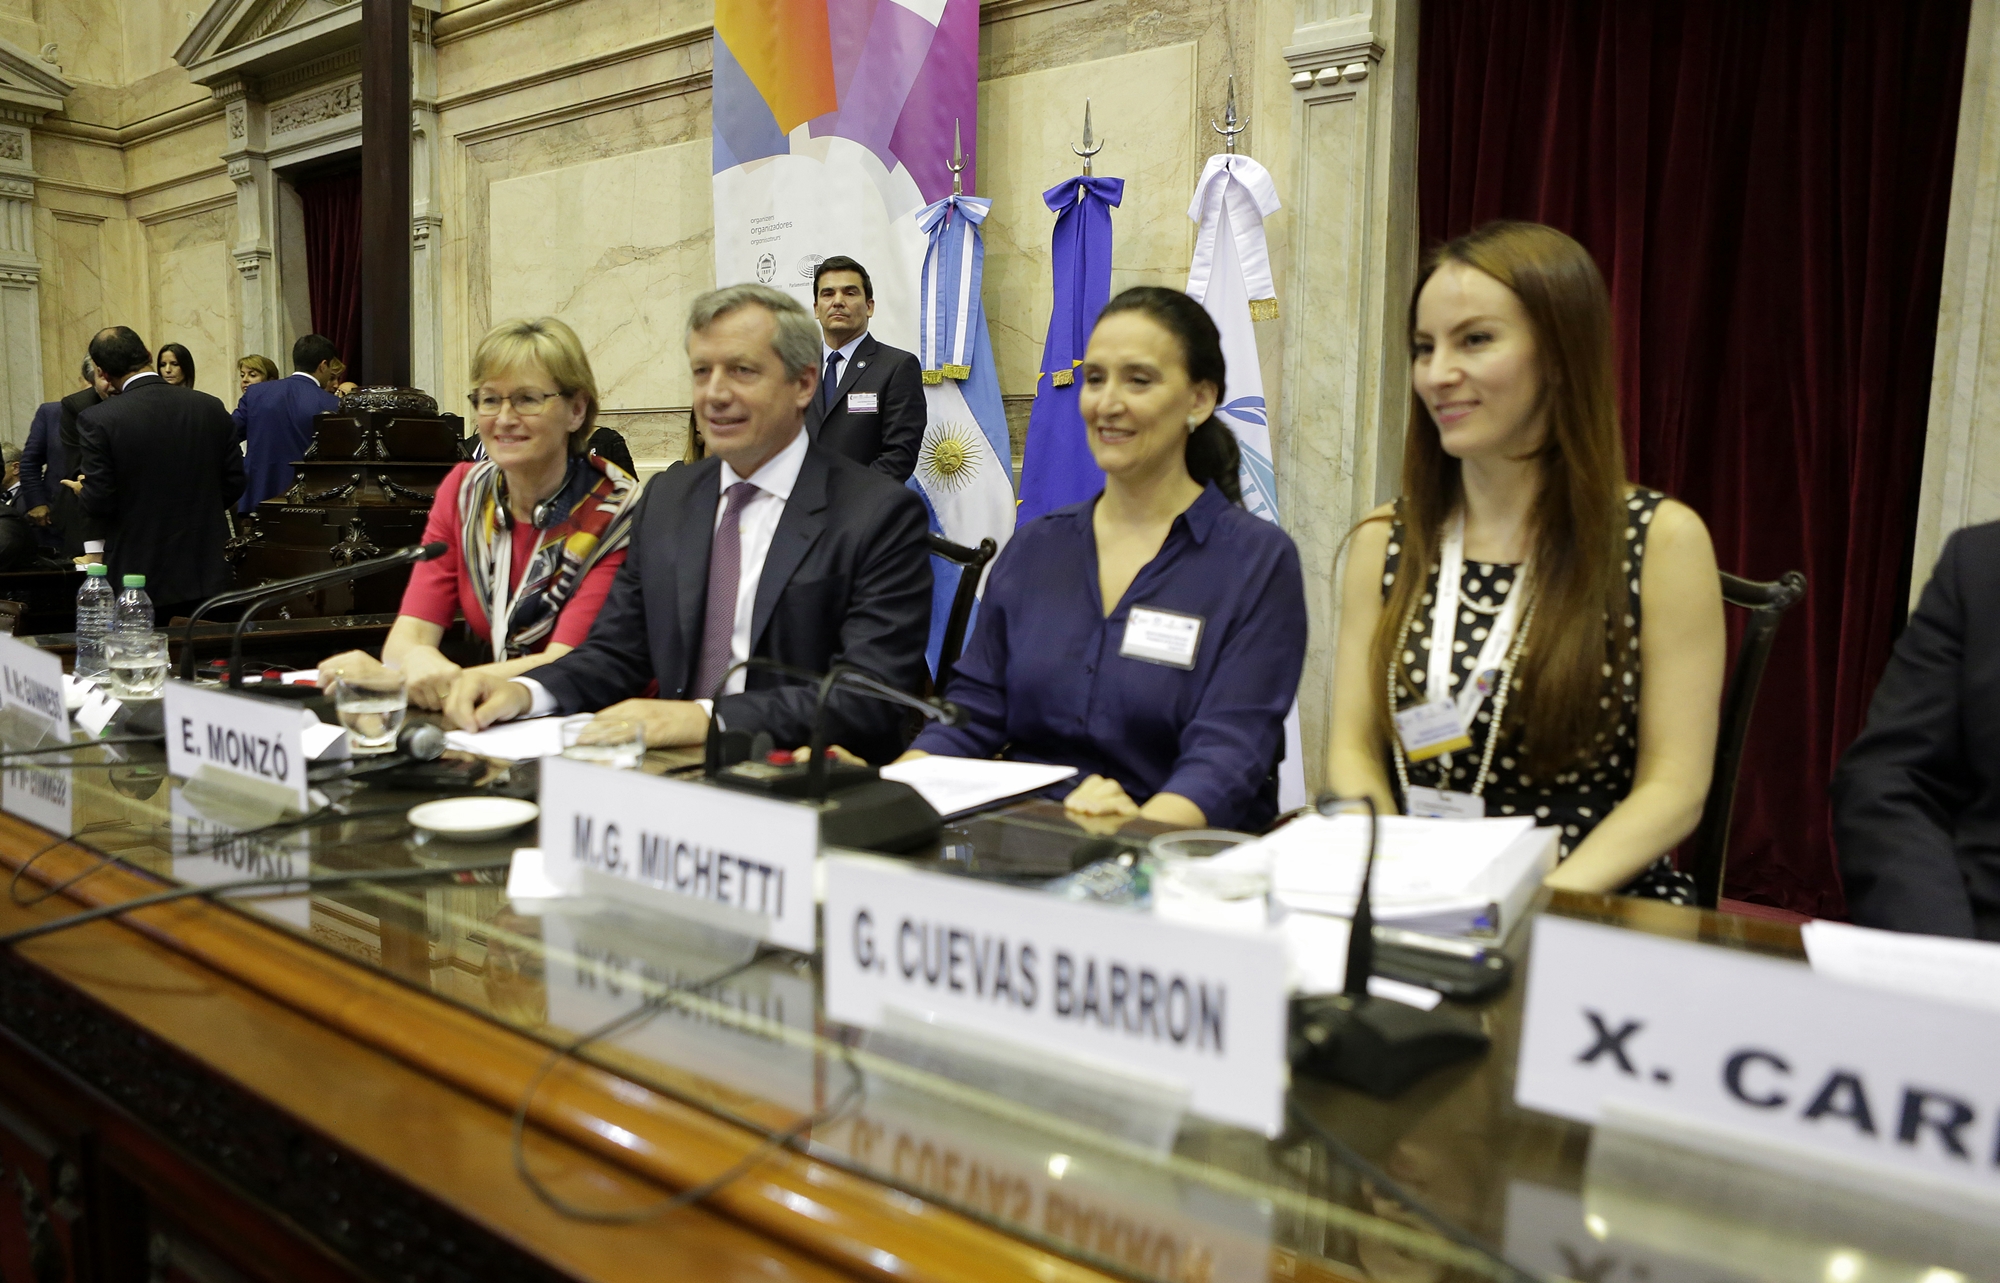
{"x":870,"y":404}
{"x":160,"y":468}
{"x":63,"y":481}
{"x":18,"y":549}
{"x":44,"y":464}
{"x":1916,"y":801}
{"x":773,"y":546}
{"x":276,"y":418}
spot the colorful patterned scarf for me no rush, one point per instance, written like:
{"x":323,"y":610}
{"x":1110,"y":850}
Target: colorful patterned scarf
{"x":588,"y":519}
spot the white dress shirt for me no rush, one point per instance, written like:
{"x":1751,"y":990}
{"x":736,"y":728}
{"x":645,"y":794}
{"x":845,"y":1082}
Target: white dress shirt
{"x":757,"y":524}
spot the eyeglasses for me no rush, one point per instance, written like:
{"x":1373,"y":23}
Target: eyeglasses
{"x":527,"y":402}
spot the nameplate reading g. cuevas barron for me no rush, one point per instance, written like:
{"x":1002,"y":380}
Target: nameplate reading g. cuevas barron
{"x":1166,"y":1000}
{"x":1762,"y":1049}
{"x":681,"y":846}
{"x":261,"y":739}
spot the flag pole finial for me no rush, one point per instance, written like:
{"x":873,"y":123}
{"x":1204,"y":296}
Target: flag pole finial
{"x":1229,"y":128}
{"x":1090,"y":147}
{"x":957,"y":162}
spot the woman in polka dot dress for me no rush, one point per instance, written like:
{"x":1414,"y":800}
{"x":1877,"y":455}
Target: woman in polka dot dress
{"x":1563,"y":698}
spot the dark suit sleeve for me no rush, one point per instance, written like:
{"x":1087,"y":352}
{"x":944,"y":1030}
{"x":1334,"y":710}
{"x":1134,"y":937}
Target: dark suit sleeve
{"x":904,"y":416}
{"x":34,"y":459}
{"x":616,"y":660}
{"x":241,"y":418}
{"x":610,"y":446}
{"x":1904,"y":780}
{"x":232,"y":466}
{"x":100,"y":477}
{"x":884,"y":631}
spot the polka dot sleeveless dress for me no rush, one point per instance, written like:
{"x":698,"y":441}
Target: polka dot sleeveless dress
{"x":1575,"y":801}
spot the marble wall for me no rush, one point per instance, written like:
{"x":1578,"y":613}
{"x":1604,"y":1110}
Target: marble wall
{"x":195,"y":294}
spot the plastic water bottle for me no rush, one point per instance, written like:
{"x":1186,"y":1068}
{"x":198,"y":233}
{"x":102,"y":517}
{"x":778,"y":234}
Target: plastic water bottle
{"x":134,"y":612}
{"x":93,"y":620}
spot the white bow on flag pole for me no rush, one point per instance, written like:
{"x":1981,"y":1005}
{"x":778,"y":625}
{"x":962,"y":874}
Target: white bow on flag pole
{"x":1231,"y":277}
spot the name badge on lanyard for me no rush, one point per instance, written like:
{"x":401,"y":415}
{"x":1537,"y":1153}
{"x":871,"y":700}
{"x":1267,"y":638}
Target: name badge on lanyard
{"x":1443,"y":723}
{"x":1161,"y":637}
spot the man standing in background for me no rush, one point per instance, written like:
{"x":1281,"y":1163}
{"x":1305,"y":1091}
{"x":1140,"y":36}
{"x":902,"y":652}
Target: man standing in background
{"x":44,"y":463}
{"x":275,"y":418}
{"x":870,"y":405}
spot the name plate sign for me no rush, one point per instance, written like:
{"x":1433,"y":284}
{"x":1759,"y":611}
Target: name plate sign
{"x":257,"y":739}
{"x":681,"y":845}
{"x":1202,"y":1008}
{"x":1761,"y":1048}
{"x":32,"y":714}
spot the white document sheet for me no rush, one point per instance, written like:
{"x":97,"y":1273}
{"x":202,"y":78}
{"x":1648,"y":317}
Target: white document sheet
{"x":1941,"y":967}
{"x":955,"y":785}
{"x":522,"y":741}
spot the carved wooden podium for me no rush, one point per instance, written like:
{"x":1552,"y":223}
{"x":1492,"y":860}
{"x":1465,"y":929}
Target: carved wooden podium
{"x":363,"y":489}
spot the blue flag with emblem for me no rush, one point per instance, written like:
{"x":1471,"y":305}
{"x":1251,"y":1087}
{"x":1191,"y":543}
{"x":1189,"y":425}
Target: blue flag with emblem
{"x":964,"y":467}
{"x":1057,"y":468}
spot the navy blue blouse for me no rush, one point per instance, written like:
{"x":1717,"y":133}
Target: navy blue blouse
{"x":1042,"y":679}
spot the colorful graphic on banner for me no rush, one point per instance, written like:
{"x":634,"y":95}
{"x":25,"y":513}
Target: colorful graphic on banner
{"x":833,"y":130}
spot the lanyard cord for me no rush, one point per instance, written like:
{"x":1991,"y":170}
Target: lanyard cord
{"x":1507,"y":666}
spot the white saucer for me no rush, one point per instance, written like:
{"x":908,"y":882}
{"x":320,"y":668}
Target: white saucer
{"x":473,"y":819}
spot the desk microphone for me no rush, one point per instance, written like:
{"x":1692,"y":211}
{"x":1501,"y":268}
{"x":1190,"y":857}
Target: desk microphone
{"x":1358,"y":1040}
{"x":416,"y":742}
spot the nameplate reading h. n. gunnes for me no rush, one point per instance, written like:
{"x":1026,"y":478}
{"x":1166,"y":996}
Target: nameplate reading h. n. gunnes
{"x":256,"y":738}
{"x":32,"y":715}
{"x":732,"y":858}
{"x":1760,"y":1048}
{"x":1198,"y":1007}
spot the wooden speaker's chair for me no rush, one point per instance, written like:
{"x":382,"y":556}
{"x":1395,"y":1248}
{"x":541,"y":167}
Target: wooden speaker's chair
{"x":972,"y":563}
{"x":1707,"y":852}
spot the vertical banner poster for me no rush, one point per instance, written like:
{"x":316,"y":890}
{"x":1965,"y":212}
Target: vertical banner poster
{"x":833,"y":131}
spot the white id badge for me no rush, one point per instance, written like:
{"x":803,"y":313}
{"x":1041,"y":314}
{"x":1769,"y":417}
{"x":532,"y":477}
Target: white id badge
{"x":1443,"y":804}
{"x":861,"y":402}
{"x":1431,"y":729}
{"x":1161,"y":637}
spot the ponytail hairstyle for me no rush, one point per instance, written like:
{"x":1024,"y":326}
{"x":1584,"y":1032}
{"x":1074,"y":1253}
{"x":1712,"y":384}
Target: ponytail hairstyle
{"x":1212,"y":452}
{"x":1579,"y":578}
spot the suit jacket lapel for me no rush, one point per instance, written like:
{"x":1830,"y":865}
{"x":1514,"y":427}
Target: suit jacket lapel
{"x":864,"y":356}
{"x":692,"y":543}
{"x":798,"y":530}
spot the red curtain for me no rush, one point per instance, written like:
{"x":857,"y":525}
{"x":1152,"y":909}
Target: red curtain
{"x":1764,"y":184}
{"x":333,"y":263}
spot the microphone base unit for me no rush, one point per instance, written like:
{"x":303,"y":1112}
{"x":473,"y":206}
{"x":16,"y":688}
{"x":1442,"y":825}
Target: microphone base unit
{"x":862,"y":810}
{"x":1376,"y":1045}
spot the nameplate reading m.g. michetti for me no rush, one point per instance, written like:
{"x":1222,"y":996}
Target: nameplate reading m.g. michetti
{"x":1198,"y":1007}
{"x":32,"y":715}
{"x":258,"y":739}
{"x":1760,"y":1048}
{"x":729,"y":858}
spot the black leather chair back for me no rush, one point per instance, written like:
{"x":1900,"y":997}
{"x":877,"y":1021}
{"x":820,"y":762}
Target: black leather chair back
{"x":972,"y":562}
{"x":1707,"y":852}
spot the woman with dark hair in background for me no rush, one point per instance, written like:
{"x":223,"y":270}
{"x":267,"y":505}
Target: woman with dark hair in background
{"x":1491,"y":639}
{"x":175,"y":365}
{"x":1151,"y":637}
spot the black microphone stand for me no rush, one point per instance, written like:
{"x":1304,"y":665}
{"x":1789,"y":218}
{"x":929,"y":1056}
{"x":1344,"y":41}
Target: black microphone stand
{"x":1358,"y":1040}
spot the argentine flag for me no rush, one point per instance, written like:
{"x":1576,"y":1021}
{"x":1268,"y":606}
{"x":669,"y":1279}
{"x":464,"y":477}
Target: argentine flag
{"x":1231,"y":278}
{"x":963,"y":467}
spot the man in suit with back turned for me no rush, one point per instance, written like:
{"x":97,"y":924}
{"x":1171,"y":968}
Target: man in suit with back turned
{"x":870,"y":404}
{"x":44,"y":463}
{"x":275,"y":418}
{"x":773,"y":546}
{"x":160,"y":467}
{"x":1916,"y":801}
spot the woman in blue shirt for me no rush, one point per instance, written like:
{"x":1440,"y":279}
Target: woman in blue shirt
{"x":1151,"y":637}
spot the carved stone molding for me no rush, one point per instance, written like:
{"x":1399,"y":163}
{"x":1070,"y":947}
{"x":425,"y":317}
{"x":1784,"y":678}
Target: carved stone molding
{"x":1328,"y":54}
{"x":13,"y":144}
{"x":239,"y":170}
{"x":327,"y":104}
{"x":17,"y":188}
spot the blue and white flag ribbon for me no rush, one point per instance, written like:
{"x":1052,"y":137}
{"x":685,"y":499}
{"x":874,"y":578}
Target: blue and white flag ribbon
{"x":965,"y":465}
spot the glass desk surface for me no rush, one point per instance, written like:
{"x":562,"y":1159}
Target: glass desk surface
{"x":1495,"y":1186}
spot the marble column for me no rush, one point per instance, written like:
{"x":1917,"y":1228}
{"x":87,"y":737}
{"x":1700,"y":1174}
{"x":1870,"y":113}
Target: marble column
{"x":20,"y":279}
{"x":426,"y":221}
{"x":1352,"y":65}
{"x":1961,"y":483}
{"x":248,"y":159}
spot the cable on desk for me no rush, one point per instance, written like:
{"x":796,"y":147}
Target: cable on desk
{"x":1388,"y":1185}
{"x":772,"y":1141}
{"x":286,"y":886}
{"x":79,"y":746}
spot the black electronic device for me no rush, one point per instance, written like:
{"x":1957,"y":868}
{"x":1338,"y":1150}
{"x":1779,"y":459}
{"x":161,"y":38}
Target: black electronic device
{"x":1373,"y":1044}
{"x":858,"y":808}
{"x":417,"y":742}
{"x":252,"y":599}
{"x":1463,"y":972}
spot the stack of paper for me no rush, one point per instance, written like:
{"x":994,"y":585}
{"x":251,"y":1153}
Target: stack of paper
{"x":957,"y":785}
{"x":521,"y":741}
{"x":1446,"y":877}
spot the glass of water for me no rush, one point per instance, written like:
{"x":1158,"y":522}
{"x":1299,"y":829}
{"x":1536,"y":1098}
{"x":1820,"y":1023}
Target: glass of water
{"x":371,"y":706}
{"x":608,"y":741}
{"x":136,"y":664}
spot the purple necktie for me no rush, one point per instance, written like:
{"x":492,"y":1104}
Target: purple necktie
{"x":725,"y":574}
